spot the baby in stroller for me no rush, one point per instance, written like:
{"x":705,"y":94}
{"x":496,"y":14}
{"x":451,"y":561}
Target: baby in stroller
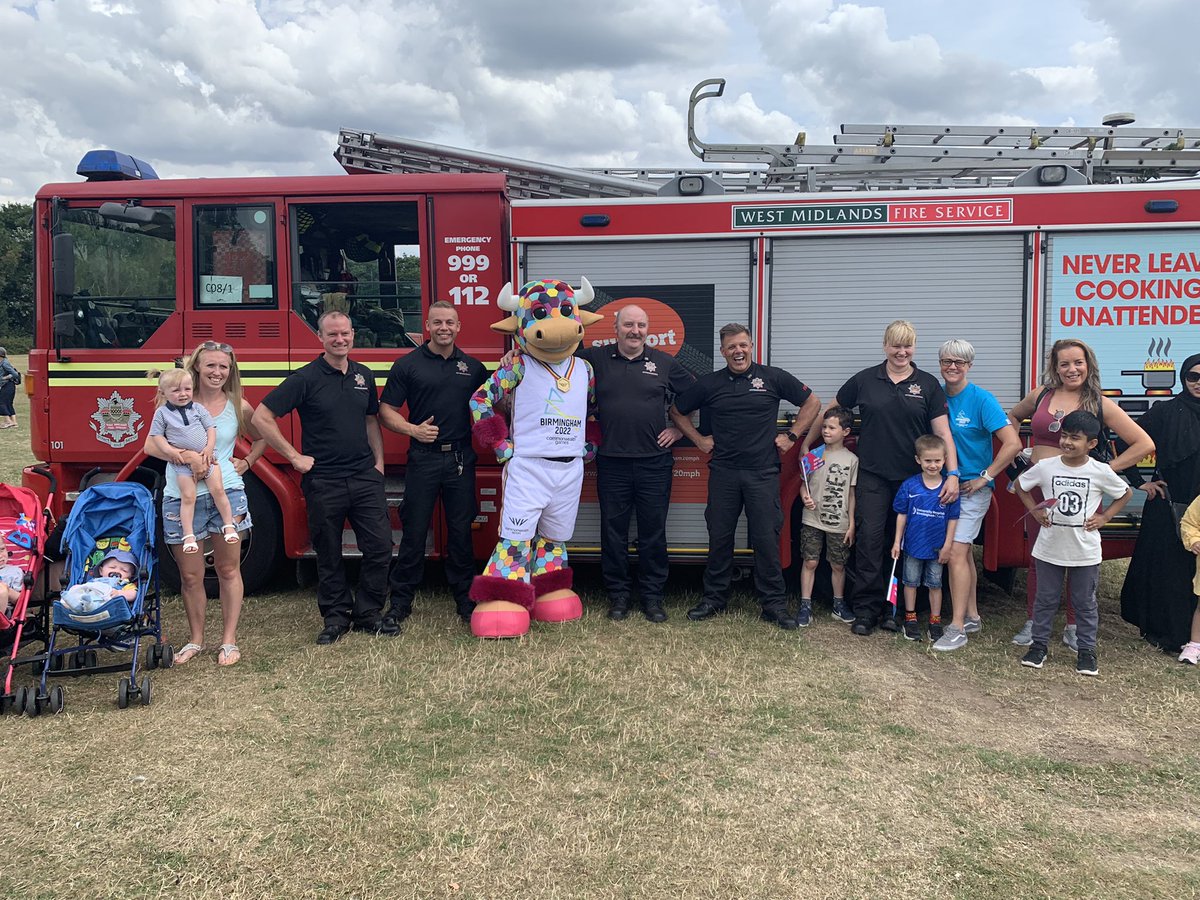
{"x":12,"y":580}
{"x":115,"y":575}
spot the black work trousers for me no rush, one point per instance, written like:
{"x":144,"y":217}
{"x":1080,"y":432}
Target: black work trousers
{"x":358,"y":498}
{"x":628,"y":485}
{"x":432,"y":474}
{"x":874,"y":531}
{"x":729,"y":491}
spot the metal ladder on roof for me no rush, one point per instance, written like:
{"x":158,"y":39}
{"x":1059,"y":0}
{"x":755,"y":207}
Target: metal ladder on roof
{"x":885,"y":157}
{"x":861,"y":158}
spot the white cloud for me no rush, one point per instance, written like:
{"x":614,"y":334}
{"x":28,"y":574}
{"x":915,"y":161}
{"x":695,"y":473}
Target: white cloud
{"x":235,"y":86}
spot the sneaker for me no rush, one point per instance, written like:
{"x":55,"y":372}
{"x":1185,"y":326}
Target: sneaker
{"x":912,"y":631}
{"x":1034,"y":657}
{"x":804,"y":614}
{"x":842,"y":611}
{"x":935,"y":630}
{"x":1086,"y":664}
{"x":974,"y":625}
{"x":889,"y":623}
{"x":1191,"y":653}
{"x":1024,"y":637}
{"x":1070,"y":638}
{"x":952,"y":638}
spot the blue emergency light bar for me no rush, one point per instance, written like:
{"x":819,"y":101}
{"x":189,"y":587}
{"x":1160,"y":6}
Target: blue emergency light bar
{"x":109,"y":165}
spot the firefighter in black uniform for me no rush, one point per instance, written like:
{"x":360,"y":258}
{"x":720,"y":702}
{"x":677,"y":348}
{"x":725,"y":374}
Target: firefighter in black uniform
{"x":634,"y":387}
{"x":741,"y":406}
{"x":436,"y":382}
{"x":342,"y":468}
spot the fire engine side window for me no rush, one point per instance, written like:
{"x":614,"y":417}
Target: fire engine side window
{"x":235,"y":256}
{"x":124,"y":276}
{"x":364,"y":259}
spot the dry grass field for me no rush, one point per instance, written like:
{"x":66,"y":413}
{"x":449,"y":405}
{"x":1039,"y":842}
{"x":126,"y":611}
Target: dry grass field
{"x":724,"y":759}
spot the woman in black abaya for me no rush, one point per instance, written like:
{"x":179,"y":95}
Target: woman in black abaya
{"x":1157,"y":596}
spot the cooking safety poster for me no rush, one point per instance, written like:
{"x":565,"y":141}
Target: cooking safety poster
{"x":1135,"y":299}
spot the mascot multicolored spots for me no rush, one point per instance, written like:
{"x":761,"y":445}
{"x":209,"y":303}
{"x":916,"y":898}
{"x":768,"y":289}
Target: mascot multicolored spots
{"x":551,"y":393}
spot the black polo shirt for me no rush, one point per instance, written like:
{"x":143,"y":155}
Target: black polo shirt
{"x":333,"y":412}
{"x":893,"y":417}
{"x":435,"y":386}
{"x":633,"y":396}
{"x":743,"y":413}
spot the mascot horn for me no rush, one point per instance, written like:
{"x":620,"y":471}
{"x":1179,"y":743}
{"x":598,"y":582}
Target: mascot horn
{"x":551,"y":394}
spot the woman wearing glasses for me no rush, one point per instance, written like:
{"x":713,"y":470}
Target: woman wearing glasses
{"x":217,"y":386}
{"x":1157,"y":596}
{"x":975,"y":418}
{"x":1072,"y":381}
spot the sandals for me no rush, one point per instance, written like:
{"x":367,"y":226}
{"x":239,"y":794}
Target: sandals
{"x":231,"y":537}
{"x":229,"y":655}
{"x":187,"y":652}
{"x":189,"y":544}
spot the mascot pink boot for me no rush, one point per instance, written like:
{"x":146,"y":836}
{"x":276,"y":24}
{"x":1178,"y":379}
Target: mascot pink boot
{"x":551,"y":393}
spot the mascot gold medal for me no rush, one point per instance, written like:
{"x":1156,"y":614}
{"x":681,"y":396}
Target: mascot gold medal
{"x":562,"y":382}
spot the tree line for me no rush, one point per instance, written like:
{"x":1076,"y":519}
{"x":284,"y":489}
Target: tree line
{"x":16,"y":277}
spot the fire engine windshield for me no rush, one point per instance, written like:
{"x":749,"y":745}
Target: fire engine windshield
{"x":361,"y":258}
{"x":124,"y":276}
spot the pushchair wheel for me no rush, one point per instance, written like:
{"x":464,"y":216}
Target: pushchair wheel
{"x":57,"y":662}
{"x":17,"y":702}
{"x":123,"y":693}
{"x":32,"y":706}
{"x":57,"y":699}
{"x":152,"y":656}
{"x":167,"y":658}
{"x":6,"y":703}
{"x":144,"y":694}
{"x":91,"y":660}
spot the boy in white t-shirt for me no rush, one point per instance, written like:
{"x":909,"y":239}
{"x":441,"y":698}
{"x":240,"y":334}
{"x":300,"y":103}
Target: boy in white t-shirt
{"x":1070,"y":535}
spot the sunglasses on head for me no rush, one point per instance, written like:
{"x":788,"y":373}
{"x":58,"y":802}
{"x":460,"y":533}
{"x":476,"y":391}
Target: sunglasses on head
{"x":1191,"y":377}
{"x":214,"y":345}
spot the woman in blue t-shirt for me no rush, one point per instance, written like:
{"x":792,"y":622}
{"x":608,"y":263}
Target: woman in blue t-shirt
{"x":975,"y":418}
{"x":9,"y":377}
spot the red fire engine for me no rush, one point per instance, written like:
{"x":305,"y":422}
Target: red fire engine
{"x":1000,"y":236}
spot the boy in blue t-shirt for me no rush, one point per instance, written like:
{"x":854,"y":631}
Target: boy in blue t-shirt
{"x":925,"y":531}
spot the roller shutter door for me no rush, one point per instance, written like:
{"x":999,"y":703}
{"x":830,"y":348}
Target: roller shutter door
{"x":832,"y":298}
{"x":711,"y":280}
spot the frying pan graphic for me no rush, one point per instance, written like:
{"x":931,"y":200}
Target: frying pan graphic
{"x":1153,"y":378}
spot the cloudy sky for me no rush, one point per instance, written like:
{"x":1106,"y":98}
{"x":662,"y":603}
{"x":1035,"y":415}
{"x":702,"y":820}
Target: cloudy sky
{"x":216,"y":87}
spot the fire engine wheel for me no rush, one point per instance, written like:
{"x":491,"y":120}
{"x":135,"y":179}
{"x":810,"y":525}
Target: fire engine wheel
{"x":261,"y":546}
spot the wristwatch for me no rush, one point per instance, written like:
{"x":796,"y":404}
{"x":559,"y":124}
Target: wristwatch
{"x":988,"y":478}
{"x":953,"y":472}
{"x":792,"y":437}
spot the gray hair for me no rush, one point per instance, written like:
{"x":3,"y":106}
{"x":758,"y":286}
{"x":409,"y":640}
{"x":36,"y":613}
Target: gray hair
{"x":957,"y":349}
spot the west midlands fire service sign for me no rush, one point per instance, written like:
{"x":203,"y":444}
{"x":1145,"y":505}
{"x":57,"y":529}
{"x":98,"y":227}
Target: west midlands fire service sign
{"x":760,"y":216}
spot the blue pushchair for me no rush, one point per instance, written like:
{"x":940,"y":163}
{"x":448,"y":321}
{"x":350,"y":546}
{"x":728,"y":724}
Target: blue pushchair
{"x":107,"y":517}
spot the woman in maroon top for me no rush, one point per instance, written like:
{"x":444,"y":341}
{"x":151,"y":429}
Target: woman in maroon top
{"x":1071,"y":381}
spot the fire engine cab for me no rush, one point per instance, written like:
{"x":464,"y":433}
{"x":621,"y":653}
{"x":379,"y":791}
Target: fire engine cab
{"x":1008,"y":237}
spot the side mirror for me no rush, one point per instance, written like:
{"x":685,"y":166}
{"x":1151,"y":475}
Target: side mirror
{"x":63,"y":249}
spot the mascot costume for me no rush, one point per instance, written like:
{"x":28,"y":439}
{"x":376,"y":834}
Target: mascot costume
{"x":551,"y":392}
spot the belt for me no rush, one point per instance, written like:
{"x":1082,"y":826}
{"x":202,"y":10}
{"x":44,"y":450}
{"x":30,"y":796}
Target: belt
{"x":560,"y":459}
{"x":446,"y":447}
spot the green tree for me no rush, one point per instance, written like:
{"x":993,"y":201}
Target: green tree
{"x":16,"y":276}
